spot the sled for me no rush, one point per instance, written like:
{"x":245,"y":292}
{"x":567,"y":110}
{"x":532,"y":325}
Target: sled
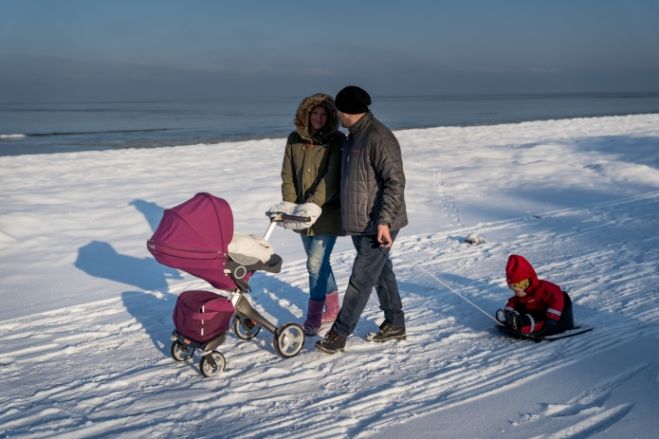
{"x":577,"y":330}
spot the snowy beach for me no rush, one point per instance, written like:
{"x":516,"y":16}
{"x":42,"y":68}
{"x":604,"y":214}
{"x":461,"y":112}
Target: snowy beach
{"x":86,"y":312}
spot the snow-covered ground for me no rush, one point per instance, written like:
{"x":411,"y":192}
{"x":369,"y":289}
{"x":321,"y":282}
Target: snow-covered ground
{"x":86,"y":311}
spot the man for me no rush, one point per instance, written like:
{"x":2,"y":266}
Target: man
{"x":372,"y":213}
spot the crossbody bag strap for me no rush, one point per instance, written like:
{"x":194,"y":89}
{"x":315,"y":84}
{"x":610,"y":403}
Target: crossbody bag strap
{"x":319,"y":177}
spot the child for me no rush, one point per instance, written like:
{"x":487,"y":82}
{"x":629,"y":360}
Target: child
{"x":538,"y":306}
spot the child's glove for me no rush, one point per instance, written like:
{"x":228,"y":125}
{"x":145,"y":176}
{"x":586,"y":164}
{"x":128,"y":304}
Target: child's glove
{"x":510,"y":318}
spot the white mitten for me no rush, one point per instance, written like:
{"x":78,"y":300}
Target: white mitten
{"x":309,"y":210}
{"x":282,"y":207}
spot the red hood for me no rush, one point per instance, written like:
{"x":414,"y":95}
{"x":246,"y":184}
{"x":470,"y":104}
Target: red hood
{"x":518,"y":269}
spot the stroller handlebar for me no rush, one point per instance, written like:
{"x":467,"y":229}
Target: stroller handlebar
{"x":282,"y":216}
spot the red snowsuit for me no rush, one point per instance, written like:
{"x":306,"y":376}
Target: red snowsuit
{"x":543,"y":300}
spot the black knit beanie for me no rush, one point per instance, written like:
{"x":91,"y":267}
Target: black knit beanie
{"x":352,"y":100}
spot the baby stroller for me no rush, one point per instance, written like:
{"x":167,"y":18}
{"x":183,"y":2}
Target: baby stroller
{"x":198,"y":237}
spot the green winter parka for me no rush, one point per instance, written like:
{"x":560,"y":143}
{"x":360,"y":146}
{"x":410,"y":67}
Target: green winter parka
{"x":311,"y":169}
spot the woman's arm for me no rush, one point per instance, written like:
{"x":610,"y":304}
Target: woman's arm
{"x":288,"y":192}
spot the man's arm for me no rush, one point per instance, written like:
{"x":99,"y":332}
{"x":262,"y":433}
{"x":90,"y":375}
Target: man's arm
{"x":388,"y":165}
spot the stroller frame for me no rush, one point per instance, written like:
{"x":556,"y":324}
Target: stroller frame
{"x":246,"y":323}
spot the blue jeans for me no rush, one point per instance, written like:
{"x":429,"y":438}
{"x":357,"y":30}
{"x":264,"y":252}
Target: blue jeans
{"x":321,"y":278}
{"x":372,"y":268}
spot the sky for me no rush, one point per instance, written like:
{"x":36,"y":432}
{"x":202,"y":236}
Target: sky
{"x":159,"y":50}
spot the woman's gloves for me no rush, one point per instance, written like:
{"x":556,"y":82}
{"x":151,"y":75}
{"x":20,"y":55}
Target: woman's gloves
{"x":308,"y":210}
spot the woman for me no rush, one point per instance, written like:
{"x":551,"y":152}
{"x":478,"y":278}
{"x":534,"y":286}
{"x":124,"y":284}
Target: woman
{"x":311,"y":174}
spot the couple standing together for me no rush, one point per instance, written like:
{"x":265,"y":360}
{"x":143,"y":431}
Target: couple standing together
{"x":359,"y":184}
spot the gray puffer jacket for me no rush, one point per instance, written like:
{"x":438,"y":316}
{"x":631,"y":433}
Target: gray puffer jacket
{"x":372,"y":179}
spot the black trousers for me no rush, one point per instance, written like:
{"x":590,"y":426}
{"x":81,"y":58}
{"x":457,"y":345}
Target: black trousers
{"x":567,"y":317}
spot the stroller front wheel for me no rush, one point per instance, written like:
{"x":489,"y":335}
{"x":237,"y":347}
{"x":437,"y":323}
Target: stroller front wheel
{"x":289,"y":340}
{"x":179,"y":352}
{"x":244,"y":330}
{"x":212,"y":364}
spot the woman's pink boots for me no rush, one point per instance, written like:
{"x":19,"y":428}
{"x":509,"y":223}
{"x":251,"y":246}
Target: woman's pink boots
{"x":314,"y":313}
{"x":331,"y":308}
{"x":320,"y":313}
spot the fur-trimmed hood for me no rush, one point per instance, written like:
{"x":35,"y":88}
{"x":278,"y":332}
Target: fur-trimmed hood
{"x":302,"y":117}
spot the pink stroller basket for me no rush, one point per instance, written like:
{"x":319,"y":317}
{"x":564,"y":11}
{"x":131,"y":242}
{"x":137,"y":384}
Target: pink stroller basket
{"x":194,"y":237}
{"x":201,"y":315}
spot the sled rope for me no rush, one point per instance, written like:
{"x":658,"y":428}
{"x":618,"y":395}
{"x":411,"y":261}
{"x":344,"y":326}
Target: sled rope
{"x":436,"y":279}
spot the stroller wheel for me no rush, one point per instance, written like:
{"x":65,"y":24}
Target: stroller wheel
{"x":245,"y":330}
{"x":180,"y":352}
{"x":289,"y":340}
{"x":212,"y":364}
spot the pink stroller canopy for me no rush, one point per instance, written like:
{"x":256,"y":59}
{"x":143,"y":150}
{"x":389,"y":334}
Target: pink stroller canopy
{"x":194,"y":237}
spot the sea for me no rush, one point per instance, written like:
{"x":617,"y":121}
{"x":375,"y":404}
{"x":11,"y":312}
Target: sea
{"x":45,"y":128}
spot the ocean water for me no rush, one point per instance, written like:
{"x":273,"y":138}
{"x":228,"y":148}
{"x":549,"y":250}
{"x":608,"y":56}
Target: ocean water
{"x":66,"y":127}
